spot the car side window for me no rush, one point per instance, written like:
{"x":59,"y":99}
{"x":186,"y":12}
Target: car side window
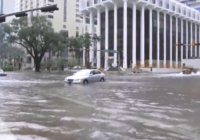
{"x":92,"y":72}
{"x":97,"y":72}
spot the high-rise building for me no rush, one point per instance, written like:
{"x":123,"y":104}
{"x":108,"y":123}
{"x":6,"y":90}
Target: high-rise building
{"x":67,"y":18}
{"x":145,"y":32}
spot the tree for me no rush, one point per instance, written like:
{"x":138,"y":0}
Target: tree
{"x":35,"y":35}
{"x":75,"y":45}
{"x":10,"y":52}
{"x":87,"y":40}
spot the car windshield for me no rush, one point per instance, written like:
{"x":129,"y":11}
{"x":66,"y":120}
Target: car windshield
{"x":81,"y":73}
{"x":1,"y":70}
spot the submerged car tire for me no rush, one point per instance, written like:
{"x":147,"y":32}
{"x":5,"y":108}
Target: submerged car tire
{"x":102,"y":80}
{"x":85,"y":82}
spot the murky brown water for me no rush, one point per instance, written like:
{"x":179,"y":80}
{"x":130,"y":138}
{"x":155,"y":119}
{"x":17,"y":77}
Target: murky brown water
{"x":147,"y":107}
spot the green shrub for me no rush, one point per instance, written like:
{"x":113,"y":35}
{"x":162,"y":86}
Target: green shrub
{"x":9,"y":68}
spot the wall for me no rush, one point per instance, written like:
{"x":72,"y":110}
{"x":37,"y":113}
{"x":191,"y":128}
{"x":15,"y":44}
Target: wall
{"x":195,"y":63}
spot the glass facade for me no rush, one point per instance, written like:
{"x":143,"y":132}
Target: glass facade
{"x":154,"y":27}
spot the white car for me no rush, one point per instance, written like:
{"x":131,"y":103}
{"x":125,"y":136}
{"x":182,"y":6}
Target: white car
{"x":2,"y":73}
{"x":86,"y":76}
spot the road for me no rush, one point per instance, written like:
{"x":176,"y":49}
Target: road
{"x":141,"y":107}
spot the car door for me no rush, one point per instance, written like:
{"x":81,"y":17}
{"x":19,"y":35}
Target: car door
{"x":91,"y":76}
{"x":97,"y":76}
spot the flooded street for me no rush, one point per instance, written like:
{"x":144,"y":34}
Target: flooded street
{"x":141,"y":107}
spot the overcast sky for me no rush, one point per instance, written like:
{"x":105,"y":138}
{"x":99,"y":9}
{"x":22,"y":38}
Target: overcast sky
{"x":8,"y":7}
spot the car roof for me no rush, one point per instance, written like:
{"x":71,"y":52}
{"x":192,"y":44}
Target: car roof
{"x":86,"y":70}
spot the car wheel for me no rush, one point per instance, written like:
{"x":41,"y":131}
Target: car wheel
{"x":85,"y":82}
{"x":102,"y":80}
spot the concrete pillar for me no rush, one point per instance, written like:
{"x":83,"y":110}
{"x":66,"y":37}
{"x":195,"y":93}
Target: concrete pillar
{"x":98,"y":34}
{"x":195,"y":40}
{"x":199,"y":41}
{"x":92,"y":32}
{"x":134,"y":36}
{"x":177,"y":41}
{"x":106,"y":36}
{"x":125,"y":36}
{"x":142,"y":39}
{"x":84,"y":31}
{"x":115,"y":32}
{"x":150,"y":38}
{"x":191,"y":38}
{"x":165,"y":50}
{"x":170,"y":40}
{"x":181,"y":40}
{"x":186,"y":39}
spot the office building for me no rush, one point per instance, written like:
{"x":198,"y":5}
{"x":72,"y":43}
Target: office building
{"x":145,"y":32}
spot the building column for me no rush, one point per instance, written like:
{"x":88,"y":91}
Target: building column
{"x":191,"y":38}
{"x":181,"y":41}
{"x":134,"y":36}
{"x":199,"y":41}
{"x":150,"y":38}
{"x":195,"y":40}
{"x":165,"y":53}
{"x":98,"y":34}
{"x":186,"y":39}
{"x":91,"y":32}
{"x":170,"y":42}
{"x":177,"y":41}
{"x":142,"y":39}
{"x":125,"y":35}
{"x":115,"y":33}
{"x":158,"y":39}
{"x":106,"y":37}
{"x":84,"y":31}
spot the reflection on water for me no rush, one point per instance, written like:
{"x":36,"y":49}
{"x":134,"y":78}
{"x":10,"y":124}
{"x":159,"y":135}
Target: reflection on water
{"x":154,"y":107}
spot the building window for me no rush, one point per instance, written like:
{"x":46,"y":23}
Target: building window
{"x":64,"y":26}
{"x":28,"y":59}
{"x":77,"y":15}
{"x":77,"y":28}
{"x":50,"y":16}
{"x":77,"y":33}
{"x":77,"y":20}
{"x":65,"y":11}
{"x":51,"y":0}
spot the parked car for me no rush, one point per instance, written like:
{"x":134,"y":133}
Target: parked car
{"x":2,"y":73}
{"x":188,"y":70}
{"x":86,"y":76}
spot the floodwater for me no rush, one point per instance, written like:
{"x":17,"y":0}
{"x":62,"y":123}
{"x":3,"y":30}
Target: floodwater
{"x":141,"y":107}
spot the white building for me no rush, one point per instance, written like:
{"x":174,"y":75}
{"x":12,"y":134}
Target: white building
{"x":67,"y":18}
{"x":131,"y":27}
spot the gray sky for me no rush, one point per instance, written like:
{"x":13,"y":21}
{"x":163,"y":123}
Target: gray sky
{"x":8,"y":7}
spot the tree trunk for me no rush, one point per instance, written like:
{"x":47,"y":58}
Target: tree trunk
{"x":37,"y":65}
